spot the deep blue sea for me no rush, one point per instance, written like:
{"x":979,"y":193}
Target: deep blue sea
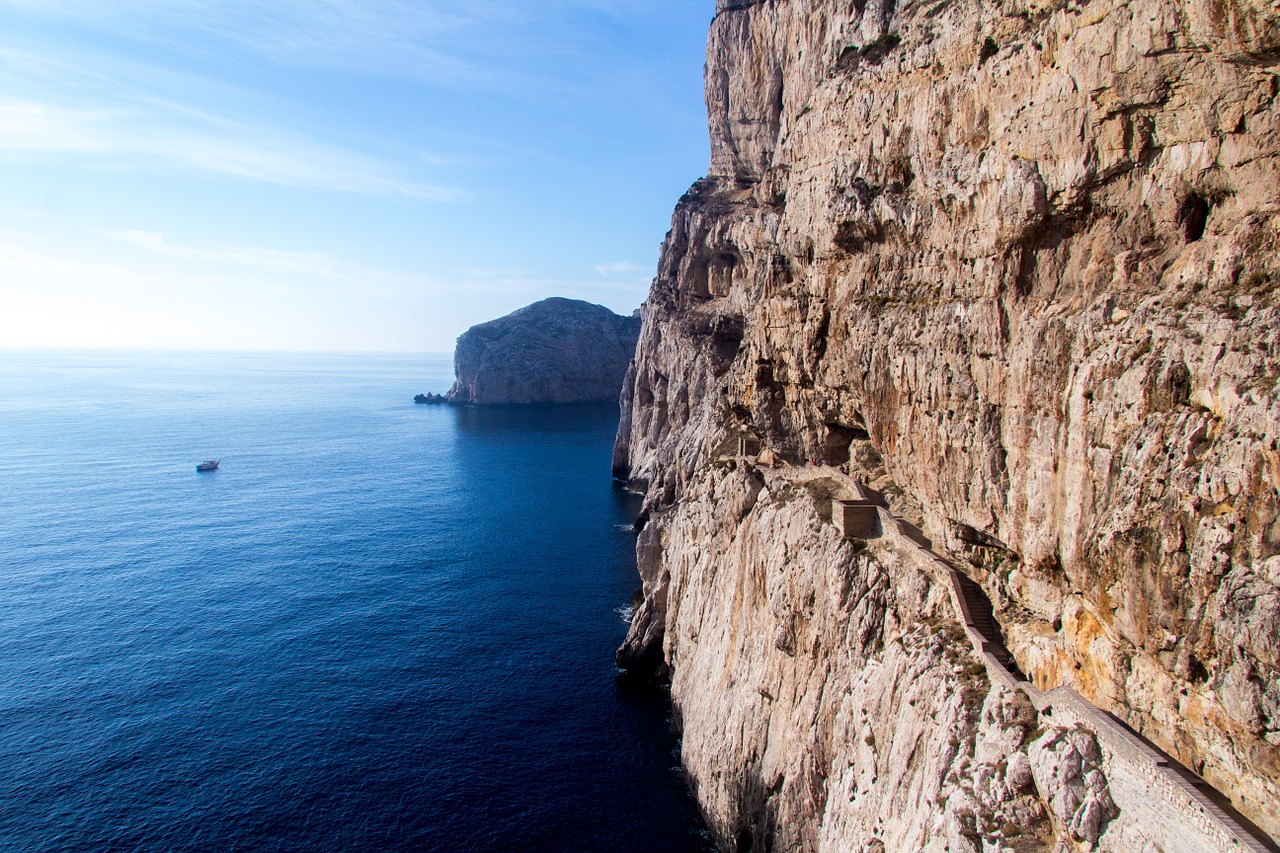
{"x":378,"y":627}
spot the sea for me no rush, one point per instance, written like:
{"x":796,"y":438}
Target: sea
{"x":378,"y":626}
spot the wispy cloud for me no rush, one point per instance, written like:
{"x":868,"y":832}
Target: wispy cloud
{"x":141,"y":118}
{"x":490,"y":274}
{"x":100,"y":299}
{"x":158,"y":133}
{"x":468,"y":43}
{"x":621,"y":295}
{"x":618,"y":268}
{"x":21,"y":263}
{"x":439,"y":41}
{"x":308,"y":269}
{"x":150,"y":139}
{"x":313,"y":264}
{"x":253,"y":296}
{"x":146,"y":116}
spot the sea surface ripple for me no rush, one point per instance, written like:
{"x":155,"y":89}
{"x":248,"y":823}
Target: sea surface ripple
{"x":378,"y":626}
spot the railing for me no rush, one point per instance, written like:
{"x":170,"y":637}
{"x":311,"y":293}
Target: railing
{"x":1216,"y":821}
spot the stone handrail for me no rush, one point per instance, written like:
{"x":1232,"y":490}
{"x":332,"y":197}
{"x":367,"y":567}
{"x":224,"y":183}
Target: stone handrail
{"x":1156,"y":787}
{"x":1219,"y":825}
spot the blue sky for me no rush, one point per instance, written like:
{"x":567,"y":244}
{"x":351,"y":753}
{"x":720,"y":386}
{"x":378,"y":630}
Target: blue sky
{"x":334,"y":174}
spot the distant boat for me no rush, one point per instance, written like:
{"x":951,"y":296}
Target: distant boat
{"x":208,"y":465}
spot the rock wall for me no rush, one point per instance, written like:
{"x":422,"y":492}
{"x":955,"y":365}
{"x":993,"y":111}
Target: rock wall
{"x":1015,"y":264}
{"x":825,"y":696}
{"x":554,"y":351}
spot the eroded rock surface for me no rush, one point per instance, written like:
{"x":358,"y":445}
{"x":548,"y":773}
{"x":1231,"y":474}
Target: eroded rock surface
{"x":1067,"y":766}
{"x":826,"y":697}
{"x":554,"y":351}
{"x":1015,"y":264}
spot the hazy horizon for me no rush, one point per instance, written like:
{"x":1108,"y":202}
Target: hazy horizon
{"x":334,"y":176}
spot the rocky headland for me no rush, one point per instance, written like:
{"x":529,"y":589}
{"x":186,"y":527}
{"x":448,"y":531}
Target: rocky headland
{"x":554,"y":351}
{"x":1003,"y":277}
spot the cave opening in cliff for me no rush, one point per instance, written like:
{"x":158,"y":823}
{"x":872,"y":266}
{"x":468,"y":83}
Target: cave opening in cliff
{"x":989,"y":49}
{"x":1193,"y":216}
{"x":835,"y":450}
{"x":727,"y":334}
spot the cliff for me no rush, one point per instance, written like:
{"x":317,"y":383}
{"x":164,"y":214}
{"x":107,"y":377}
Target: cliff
{"x":1013,"y":265}
{"x":554,"y":351}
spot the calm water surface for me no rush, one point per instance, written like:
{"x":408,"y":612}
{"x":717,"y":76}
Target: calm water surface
{"x":379,"y":626}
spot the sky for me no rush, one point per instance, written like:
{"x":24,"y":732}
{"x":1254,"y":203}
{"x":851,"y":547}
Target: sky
{"x":334,"y":175}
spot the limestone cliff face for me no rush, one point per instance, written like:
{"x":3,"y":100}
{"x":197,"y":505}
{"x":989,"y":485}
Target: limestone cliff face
{"x":554,"y":351}
{"x":1015,"y":264}
{"x":825,"y":697}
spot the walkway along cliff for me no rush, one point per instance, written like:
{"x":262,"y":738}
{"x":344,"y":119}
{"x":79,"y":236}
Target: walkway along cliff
{"x":1012,"y":266}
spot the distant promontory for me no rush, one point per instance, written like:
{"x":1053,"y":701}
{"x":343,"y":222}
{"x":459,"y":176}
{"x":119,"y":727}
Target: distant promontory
{"x":554,"y":351}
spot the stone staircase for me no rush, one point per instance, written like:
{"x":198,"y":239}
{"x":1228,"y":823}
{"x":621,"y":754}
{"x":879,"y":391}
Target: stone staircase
{"x":1159,"y":776}
{"x":980,"y":615}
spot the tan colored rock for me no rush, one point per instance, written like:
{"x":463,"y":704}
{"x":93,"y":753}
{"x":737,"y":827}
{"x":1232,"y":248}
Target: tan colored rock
{"x":1017,"y":263}
{"x":826,"y":700}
